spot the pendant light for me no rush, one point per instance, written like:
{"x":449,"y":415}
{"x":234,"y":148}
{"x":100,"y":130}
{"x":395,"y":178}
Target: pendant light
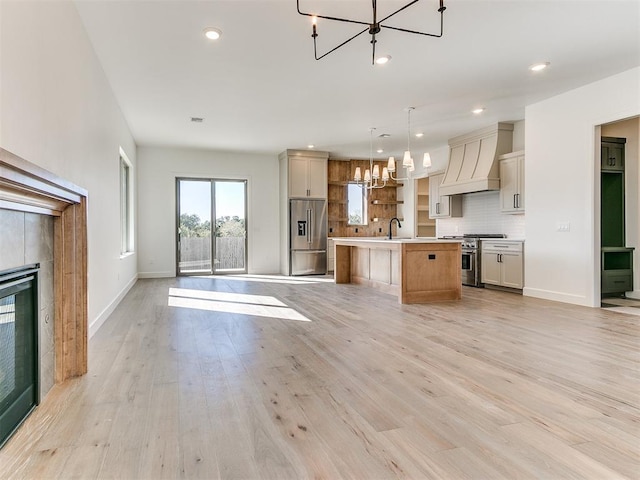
{"x":407,"y":159}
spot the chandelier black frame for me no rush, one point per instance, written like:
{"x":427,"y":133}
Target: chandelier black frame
{"x":373,"y":28}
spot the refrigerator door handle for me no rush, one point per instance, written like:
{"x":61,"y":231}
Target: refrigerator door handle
{"x":309,"y":226}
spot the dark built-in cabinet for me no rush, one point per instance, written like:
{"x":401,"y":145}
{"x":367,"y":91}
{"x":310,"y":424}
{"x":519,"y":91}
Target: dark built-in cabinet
{"x":617,"y":259}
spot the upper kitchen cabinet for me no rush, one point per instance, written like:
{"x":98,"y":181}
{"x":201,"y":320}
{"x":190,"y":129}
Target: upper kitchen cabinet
{"x":442,"y":206}
{"x":306,"y":173}
{"x":612,"y":154}
{"x":512,"y":182}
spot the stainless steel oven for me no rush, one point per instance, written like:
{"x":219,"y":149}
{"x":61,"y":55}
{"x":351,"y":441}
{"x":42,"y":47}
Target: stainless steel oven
{"x":470,"y":261}
{"x":471,"y":257}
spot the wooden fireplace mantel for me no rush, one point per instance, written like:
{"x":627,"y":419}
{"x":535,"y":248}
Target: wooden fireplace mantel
{"x":27,"y":187}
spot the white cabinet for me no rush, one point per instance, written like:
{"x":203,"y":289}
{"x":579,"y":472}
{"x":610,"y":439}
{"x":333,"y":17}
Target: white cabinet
{"x":512,"y":182}
{"x":307,"y":177}
{"x":502,"y":263}
{"x":442,"y":206}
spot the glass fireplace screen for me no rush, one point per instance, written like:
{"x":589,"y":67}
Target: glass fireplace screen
{"x":18,"y":349}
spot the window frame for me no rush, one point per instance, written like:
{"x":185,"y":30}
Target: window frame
{"x":364,"y":202}
{"x":125,"y":169}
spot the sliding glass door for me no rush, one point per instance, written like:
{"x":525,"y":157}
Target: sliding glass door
{"x":212,"y":226}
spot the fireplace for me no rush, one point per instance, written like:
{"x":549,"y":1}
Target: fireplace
{"x":19,"y":360}
{"x":44,"y":222}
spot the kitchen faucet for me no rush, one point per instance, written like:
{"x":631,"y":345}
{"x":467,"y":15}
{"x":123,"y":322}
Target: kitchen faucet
{"x":390,"y":222}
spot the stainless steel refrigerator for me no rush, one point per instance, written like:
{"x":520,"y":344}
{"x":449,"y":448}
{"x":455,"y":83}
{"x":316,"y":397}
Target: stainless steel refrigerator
{"x":307,"y":237}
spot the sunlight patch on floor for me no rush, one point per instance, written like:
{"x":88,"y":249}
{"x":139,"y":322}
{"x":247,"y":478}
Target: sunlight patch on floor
{"x":255,"y":305}
{"x":226,"y":297}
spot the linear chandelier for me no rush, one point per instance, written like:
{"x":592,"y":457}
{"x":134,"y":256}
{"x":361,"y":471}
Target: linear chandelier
{"x":372,"y":28}
{"x":371,"y":174}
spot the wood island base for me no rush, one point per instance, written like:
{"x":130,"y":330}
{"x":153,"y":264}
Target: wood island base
{"x":415,"y":270}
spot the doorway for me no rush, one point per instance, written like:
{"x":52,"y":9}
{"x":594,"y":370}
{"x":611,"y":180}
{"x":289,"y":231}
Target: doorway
{"x":619,"y":175}
{"x":211,"y":226}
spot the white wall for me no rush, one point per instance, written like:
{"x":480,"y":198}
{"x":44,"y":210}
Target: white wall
{"x":158,"y":169}
{"x":481,"y":214}
{"x":561,"y":186}
{"x":57,"y":110}
{"x":630,"y":129}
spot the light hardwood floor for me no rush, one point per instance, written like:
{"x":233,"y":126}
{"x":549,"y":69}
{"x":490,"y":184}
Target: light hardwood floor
{"x":183,"y":384}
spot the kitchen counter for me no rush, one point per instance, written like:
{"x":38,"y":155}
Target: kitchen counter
{"x":416,"y":270}
{"x":395,"y":240}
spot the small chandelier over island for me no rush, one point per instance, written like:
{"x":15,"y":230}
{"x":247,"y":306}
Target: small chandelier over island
{"x":372,"y":174}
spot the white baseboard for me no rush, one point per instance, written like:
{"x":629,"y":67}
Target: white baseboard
{"x":635,"y":294}
{"x":100,"y":319}
{"x":156,"y":274}
{"x":557,"y":296}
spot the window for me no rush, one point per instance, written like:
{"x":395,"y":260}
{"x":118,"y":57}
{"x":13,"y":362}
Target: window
{"x":356,"y":204}
{"x":126,"y":207}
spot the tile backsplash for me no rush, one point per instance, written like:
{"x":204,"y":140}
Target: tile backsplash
{"x":481,"y":214}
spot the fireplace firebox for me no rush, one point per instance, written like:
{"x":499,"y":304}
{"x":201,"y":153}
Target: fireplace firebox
{"x":18,"y":347}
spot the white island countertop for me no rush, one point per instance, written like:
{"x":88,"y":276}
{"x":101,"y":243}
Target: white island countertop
{"x":395,"y":240}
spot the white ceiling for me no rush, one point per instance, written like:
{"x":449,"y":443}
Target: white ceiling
{"x":259,"y":88}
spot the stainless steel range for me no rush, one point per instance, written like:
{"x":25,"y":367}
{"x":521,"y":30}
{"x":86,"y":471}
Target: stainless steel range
{"x":472,"y":255}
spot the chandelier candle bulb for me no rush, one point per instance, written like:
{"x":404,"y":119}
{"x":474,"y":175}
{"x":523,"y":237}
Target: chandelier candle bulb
{"x":367,"y":175}
{"x":376,"y":172}
{"x":407,"y":160}
{"x":358,"y":176}
{"x":391,"y":165}
{"x":385,"y":174}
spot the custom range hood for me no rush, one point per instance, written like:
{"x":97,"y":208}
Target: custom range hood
{"x":473,"y":161}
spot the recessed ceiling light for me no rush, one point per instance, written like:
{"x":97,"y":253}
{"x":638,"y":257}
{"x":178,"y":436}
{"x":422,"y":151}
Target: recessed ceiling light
{"x":383,"y":60}
{"x":384,"y":135}
{"x":212,"y":33}
{"x":477,"y":111}
{"x":379,"y":150}
{"x":419,"y":134}
{"x":311,"y":146}
{"x":197,"y":119}
{"x":537,"y":67}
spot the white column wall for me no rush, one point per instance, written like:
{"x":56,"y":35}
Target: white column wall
{"x":561,"y":186}
{"x":57,"y":110}
{"x":158,"y":170}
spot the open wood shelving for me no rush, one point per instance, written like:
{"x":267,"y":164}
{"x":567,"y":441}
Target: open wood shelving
{"x":382,"y":202}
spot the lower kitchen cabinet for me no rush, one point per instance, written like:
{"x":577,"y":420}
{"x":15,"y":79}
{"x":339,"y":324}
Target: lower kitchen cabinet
{"x":503,"y":264}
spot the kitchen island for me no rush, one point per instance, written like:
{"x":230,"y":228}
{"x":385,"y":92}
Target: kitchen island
{"x":416,"y":270}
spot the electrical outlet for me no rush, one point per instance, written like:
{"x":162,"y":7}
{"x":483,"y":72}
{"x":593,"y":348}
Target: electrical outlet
{"x":379,"y":230}
{"x":330,"y":230}
{"x":563,"y":227}
{"x":356,"y":230}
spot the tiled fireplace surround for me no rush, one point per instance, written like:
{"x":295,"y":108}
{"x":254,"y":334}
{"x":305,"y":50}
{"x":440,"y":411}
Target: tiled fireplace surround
{"x":43,"y":220}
